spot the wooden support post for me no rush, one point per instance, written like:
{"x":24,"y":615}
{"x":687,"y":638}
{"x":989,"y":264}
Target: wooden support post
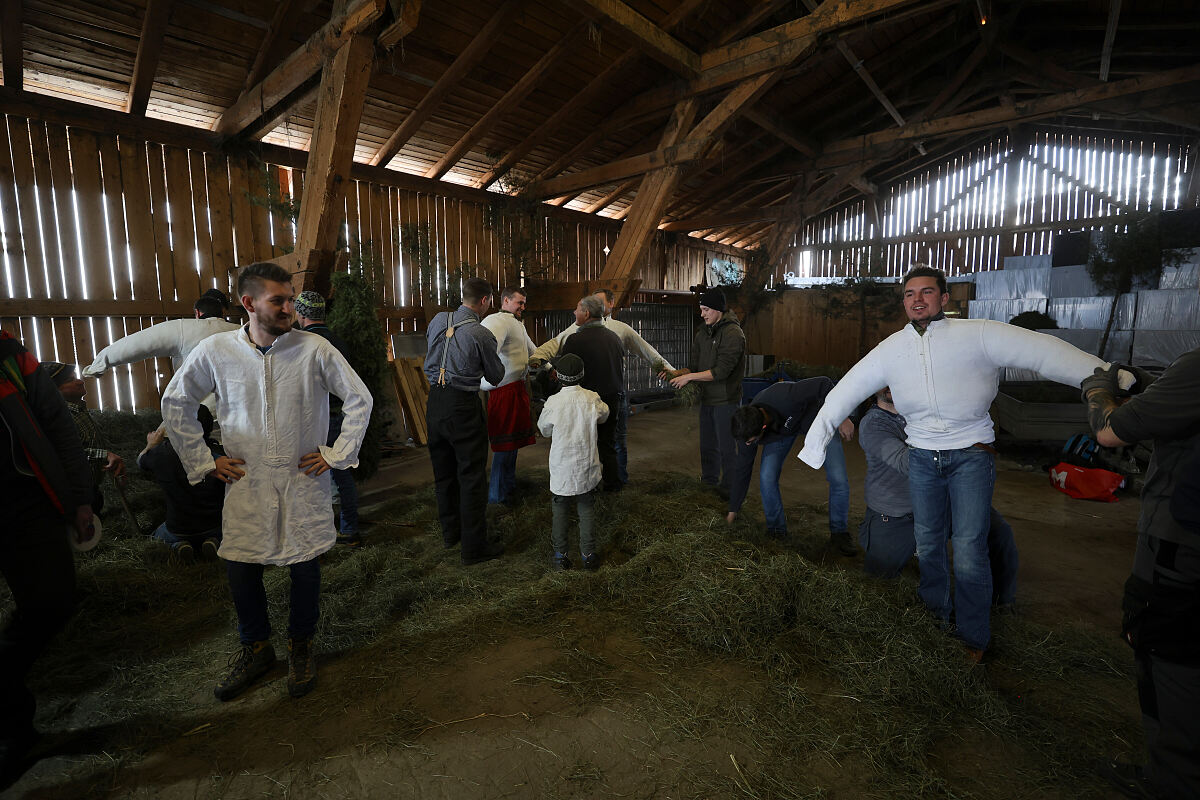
{"x":10,"y":43}
{"x":339,"y":109}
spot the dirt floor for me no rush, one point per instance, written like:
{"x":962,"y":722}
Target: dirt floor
{"x":545,"y":694}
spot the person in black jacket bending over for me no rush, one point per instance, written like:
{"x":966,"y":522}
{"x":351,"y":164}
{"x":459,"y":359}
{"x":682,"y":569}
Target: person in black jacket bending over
{"x":1162,"y":596}
{"x":603,"y":356}
{"x":773,"y":420}
{"x":45,"y":483}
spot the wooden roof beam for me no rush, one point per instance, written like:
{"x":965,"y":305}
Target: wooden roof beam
{"x":407,"y":12}
{"x":298,"y":68}
{"x":278,"y":35}
{"x":1110,"y":35}
{"x":1009,"y":114}
{"x":721,"y":220}
{"x":610,"y":198}
{"x":11,"y":47}
{"x":580,"y":100}
{"x":154,"y":27}
{"x":781,"y":131}
{"x":651,"y":39}
{"x":471,"y":55}
{"x":511,"y":99}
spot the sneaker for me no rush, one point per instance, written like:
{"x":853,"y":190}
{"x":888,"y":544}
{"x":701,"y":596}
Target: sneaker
{"x":973,"y":656}
{"x":183,"y":553}
{"x":246,"y":666}
{"x":778,"y":534}
{"x":591,"y":562}
{"x":490,"y":551}
{"x":1005,"y":609}
{"x":302,"y":667}
{"x":560,"y":561}
{"x":349,"y":539}
{"x":209,"y":549}
{"x":841,"y":541}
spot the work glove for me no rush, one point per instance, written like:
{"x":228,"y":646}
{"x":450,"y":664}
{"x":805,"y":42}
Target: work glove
{"x":1144,"y":379}
{"x":1104,"y":379}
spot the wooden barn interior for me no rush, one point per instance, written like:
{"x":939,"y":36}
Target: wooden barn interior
{"x":801,"y":153}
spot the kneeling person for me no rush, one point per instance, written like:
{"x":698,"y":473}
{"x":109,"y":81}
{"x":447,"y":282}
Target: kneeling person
{"x":886,"y":533}
{"x":193,"y":512}
{"x":272,"y":387}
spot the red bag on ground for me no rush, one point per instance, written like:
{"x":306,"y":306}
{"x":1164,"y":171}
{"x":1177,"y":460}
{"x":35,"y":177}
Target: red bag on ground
{"x":1086,"y":483}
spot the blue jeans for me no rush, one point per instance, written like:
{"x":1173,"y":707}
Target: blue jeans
{"x":1002,"y":551}
{"x":166,"y":537}
{"x":952,"y":490}
{"x":622,"y":430}
{"x":888,"y":543}
{"x":250,"y":600}
{"x":343,"y":479}
{"x":771,"y":464}
{"x":504,"y":476}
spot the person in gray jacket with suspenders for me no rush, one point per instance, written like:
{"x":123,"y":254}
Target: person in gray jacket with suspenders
{"x":461,"y":352}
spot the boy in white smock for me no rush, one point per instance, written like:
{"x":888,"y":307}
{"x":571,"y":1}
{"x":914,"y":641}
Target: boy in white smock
{"x":570,"y":418}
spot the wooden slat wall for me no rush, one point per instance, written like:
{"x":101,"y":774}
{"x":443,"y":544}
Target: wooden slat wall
{"x":94,"y":217}
{"x":963,"y":195}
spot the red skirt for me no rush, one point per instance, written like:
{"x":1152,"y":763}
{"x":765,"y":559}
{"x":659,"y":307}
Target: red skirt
{"x":509,"y":423}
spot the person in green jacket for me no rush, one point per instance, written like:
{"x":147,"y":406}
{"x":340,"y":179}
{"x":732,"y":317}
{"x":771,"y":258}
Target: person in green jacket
{"x":717,"y":363}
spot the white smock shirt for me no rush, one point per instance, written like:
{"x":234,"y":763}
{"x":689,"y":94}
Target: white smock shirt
{"x":633,"y":343}
{"x":513,"y":345}
{"x":943,"y":382}
{"x":570,"y":418}
{"x":274,"y":409}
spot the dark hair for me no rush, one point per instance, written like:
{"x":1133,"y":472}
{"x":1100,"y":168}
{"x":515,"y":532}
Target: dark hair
{"x":474,"y":290}
{"x":252,"y":277}
{"x":746,"y":422}
{"x":509,"y":291}
{"x":608,"y":294}
{"x":923,"y":271}
{"x":209,"y":307}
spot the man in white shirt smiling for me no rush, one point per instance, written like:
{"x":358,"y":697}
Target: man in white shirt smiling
{"x":272,"y":387}
{"x":944,"y":374}
{"x":509,"y":422}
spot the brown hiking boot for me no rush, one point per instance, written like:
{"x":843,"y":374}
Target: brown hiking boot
{"x":302,"y":667}
{"x":246,"y":666}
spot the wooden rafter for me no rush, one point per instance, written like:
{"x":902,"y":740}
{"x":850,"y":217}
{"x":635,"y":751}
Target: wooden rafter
{"x":407,"y":12}
{"x":11,"y":44}
{"x":651,"y":39}
{"x":1110,"y":35}
{"x":611,"y":197}
{"x":720,"y":186}
{"x":275,"y":41}
{"x":781,"y":131}
{"x":581,"y":99}
{"x":471,"y":55}
{"x":154,"y":27}
{"x":1010,"y":114}
{"x":511,"y":99}
{"x":720,"y":220}
{"x":297,"y":68}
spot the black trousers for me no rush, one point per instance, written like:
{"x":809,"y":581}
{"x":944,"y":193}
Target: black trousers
{"x":1169,"y":691}
{"x":37,"y":563}
{"x":606,"y":444}
{"x":458,"y":449}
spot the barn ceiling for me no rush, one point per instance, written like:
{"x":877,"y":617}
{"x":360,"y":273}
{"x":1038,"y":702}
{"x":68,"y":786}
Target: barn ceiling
{"x":569,"y":98}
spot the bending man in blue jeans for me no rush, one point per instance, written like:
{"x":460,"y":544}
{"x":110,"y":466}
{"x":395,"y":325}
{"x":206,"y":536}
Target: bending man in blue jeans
{"x":886,"y":533}
{"x":773,"y":420}
{"x":944,"y":374}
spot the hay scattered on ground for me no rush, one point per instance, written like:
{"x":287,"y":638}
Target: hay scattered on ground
{"x":833,"y":682}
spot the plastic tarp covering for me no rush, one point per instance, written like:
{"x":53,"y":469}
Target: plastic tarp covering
{"x":1120,"y":343}
{"x":1160,"y":348}
{"x":1072,"y":282}
{"x":1004,"y":310}
{"x":1168,"y":310}
{"x":1008,"y":284}
{"x":1092,"y":312}
{"x":1185,"y":276}
{"x":1026,"y":262}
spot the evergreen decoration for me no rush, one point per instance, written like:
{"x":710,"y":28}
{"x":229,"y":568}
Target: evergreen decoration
{"x":353,"y":317}
{"x":1034,"y":321}
{"x":1129,"y":254}
{"x":531,"y":243}
{"x":869,"y":300}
